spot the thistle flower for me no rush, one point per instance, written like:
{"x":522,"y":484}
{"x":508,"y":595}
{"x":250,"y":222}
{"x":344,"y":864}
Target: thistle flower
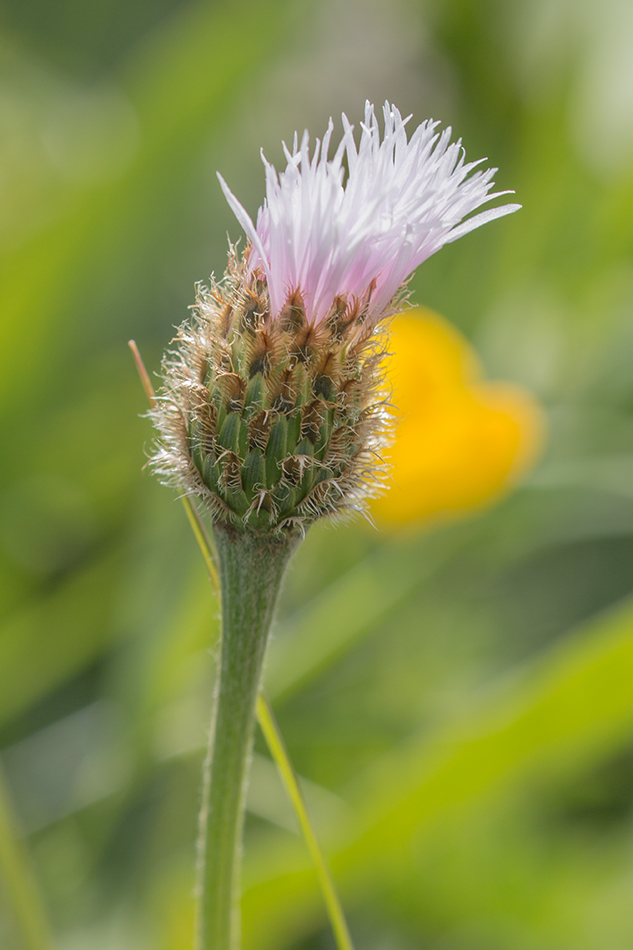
{"x":274,"y":410}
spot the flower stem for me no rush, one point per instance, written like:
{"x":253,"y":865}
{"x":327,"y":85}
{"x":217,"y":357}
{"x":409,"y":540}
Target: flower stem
{"x":274,"y":740}
{"x":277,"y":746}
{"x":251,"y":570}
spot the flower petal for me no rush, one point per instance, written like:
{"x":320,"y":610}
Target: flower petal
{"x":402,"y":200}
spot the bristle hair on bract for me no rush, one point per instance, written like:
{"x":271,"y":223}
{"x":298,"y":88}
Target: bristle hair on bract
{"x":273,"y":421}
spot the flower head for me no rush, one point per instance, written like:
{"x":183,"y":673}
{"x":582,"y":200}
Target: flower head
{"x":273,"y":409}
{"x":328,"y":236}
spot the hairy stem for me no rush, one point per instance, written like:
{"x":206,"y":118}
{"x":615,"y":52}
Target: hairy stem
{"x":251,"y":570}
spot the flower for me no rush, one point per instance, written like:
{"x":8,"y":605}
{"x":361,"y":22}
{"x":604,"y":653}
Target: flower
{"x":274,"y":409}
{"x":460,"y":441}
{"x":361,"y":238}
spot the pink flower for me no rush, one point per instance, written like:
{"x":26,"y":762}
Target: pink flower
{"x":361,"y":236}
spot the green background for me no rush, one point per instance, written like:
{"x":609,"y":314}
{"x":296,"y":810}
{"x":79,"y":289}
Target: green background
{"x":459,"y":700}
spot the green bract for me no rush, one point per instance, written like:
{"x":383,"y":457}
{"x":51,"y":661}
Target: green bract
{"x":272,"y":421}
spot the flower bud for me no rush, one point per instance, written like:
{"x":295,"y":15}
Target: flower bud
{"x":272,"y":421}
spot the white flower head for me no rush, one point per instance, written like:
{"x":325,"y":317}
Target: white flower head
{"x":328,"y":234}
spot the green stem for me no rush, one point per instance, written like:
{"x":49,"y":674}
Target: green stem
{"x":275,"y":743}
{"x":20,"y":880}
{"x":251,"y":571}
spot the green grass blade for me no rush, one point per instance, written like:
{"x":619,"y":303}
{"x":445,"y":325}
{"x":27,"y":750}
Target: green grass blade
{"x":277,"y":746}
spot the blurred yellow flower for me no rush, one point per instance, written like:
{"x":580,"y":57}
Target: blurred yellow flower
{"x":461,"y":441}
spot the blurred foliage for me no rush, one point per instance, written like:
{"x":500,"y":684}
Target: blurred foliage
{"x":459,"y":701}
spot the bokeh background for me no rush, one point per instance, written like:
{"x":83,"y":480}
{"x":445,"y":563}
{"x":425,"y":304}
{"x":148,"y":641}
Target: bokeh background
{"x":458,"y":695}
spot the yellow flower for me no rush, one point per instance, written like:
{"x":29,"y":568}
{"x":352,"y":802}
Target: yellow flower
{"x":461,"y":441}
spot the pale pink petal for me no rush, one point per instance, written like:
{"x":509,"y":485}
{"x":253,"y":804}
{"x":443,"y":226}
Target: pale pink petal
{"x":401,"y":202}
{"x":245,"y":220}
{"x":482,"y":218}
